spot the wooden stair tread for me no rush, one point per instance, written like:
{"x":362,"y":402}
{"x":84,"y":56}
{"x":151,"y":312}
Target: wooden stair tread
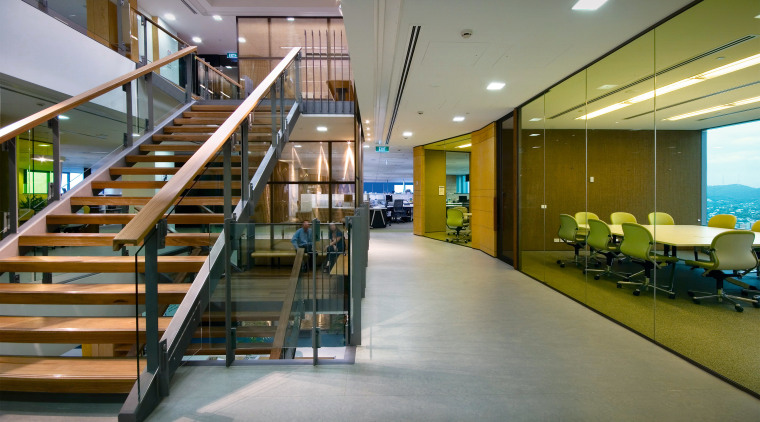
{"x":210,"y":129}
{"x":142,"y":200}
{"x":183,"y":137}
{"x":147,"y":184}
{"x":211,"y":349}
{"x":214,"y":113}
{"x":98,"y":264}
{"x":215,"y":107}
{"x":170,"y":147}
{"x":159,"y":171}
{"x":106,"y":239}
{"x":74,"y":330}
{"x":216,"y":120}
{"x":218,"y":331}
{"x":172,"y":158}
{"x":67,"y":375}
{"x":204,"y":218}
{"x":91,"y":294}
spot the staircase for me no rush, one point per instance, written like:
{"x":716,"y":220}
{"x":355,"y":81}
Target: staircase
{"x":81,"y":243}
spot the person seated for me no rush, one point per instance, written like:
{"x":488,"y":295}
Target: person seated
{"x":302,"y":237}
{"x":334,"y":248}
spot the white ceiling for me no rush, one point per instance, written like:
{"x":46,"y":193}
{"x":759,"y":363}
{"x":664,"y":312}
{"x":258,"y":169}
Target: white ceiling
{"x":220,"y":37}
{"x":528,"y":45}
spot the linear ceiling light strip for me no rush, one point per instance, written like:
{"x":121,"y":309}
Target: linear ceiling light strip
{"x":692,"y":100}
{"x":404,"y":74}
{"x":716,"y":108}
{"x":661,"y":72}
{"x":728,"y":114}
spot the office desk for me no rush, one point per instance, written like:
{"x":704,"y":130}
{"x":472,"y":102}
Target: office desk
{"x":408,"y":210}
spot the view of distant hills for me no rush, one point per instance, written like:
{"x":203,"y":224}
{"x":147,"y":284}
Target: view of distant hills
{"x":738,"y":193}
{"x":739,"y":200}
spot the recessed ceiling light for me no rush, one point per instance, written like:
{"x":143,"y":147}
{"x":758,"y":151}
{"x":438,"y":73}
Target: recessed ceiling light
{"x":135,"y":135}
{"x":464,"y":146}
{"x":217,"y":17}
{"x":757,"y":17}
{"x":606,"y":87}
{"x":170,"y":17}
{"x":63,"y":117}
{"x":406,"y":134}
{"x":321,"y":129}
{"x":495,"y":86}
{"x":291,"y":19}
{"x":589,"y":4}
{"x":458,"y":118}
{"x":716,"y":108}
{"x":366,"y":121}
{"x":365,"y":146}
{"x":297,"y":146}
{"x":197,"y":39}
{"x":535,"y":119}
{"x":241,"y":39}
{"x":228,"y":67}
{"x":535,"y":134}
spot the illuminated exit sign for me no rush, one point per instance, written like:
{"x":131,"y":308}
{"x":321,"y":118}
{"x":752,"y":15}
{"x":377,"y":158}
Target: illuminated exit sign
{"x":232,"y":55}
{"x":382,"y":149}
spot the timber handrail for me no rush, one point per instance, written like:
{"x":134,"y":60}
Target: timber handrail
{"x":215,"y":70}
{"x":43,"y":116}
{"x":287,"y":305}
{"x":156,"y":24}
{"x":136,"y":230}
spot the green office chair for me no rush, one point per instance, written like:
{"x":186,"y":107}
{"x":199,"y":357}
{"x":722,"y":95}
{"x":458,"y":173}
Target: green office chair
{"x":723,"y":221}
{"x":660,"y":219}
{"x":599,"y":240}
{"x":466,"y":219}
{"x":455,"y":222}
{"x":568,"y":233}
{"x":731,"y":255}
{"x":637,"y":244}
{"x":622,"y":217}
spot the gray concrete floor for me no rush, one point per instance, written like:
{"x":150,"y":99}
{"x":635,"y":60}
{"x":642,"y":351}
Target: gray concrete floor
{"x":453,"y":334}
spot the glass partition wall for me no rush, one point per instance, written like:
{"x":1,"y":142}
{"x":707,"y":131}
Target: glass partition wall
{"x":626,"y":137}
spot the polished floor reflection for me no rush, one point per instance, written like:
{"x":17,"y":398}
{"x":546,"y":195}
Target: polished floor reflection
{"x":711,"y":333}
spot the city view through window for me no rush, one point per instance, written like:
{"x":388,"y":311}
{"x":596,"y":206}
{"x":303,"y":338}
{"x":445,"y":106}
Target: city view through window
{"x":733,"y":172}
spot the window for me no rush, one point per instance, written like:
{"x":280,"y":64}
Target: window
{"x":733,"y":178}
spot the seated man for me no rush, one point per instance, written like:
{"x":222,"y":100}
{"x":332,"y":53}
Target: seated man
{"x":302,"y":237}
{"x":334,"y":248}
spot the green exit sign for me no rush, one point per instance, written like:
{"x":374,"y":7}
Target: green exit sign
{"x":382,"y":149}
{"x":232,"y":55}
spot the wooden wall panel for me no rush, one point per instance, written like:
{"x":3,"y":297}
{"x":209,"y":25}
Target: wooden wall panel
{"x":483,"y":189}
{"x":622,"y":164}
{"x":418,"y":225}
{"x":435,"y":204}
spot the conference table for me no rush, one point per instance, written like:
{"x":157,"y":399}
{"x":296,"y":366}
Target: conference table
{"x":680,"y":235}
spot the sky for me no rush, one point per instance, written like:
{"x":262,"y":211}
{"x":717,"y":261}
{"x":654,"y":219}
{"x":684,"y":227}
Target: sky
{"x":733,"y":155}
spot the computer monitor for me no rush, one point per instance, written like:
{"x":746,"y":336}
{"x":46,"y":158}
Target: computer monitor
{"x":463,"y":199}
{"x":388,"y":198}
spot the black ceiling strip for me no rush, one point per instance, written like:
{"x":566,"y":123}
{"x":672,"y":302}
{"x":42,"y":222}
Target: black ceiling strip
{"x":404,"y":74}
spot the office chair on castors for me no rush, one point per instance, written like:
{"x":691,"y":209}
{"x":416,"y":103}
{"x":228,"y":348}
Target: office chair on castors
{"x":599,"y":239}
{"x":637,"y":244}
{"x":569,"y":233}
{"x":455,"y":222}
{"x":731,"y":255}
{"x":398,"y":210}
{"x":723,"y":221}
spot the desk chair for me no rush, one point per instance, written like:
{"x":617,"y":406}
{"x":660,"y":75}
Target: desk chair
{"x":398,"y":210}
{"x":600,"y":241}
{"x":622,"y":217}
{"x":466,"y":219}
{"x":756,"y":228}
{"x":455,"y":222}
{"x":730,"y":251}
{"x":723,"y":221}
{"x":569,"y":233}
{"x":637,"y":244}
{"x":661,"y":219}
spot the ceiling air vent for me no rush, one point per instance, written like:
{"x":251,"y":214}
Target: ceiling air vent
{"x":188,"y":6}
{"x":404,"y":74}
